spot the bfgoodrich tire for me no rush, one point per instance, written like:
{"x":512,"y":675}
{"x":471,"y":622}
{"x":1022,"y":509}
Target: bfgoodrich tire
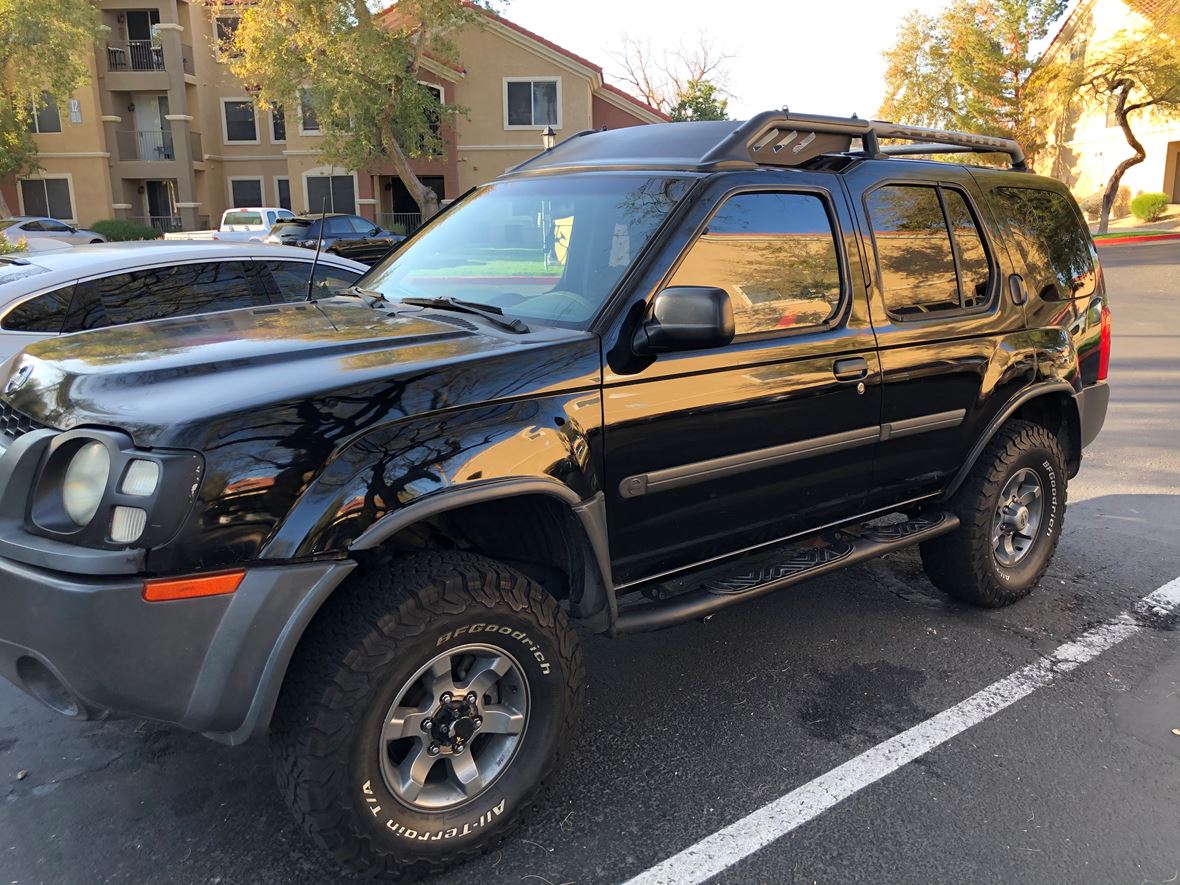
{"x":429,"y":701}
{"x":1011,"y":510}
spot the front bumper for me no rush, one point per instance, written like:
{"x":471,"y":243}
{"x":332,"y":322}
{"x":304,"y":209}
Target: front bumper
{"x":92,"y":648}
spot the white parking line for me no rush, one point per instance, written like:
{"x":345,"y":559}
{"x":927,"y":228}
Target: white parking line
{"x":716,"y":853}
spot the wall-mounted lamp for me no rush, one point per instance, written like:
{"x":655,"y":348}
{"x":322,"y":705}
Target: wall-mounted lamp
{"x":142,"y":189}
{"x":131,"y":108}
{"x":389,"y":185}
{"x":548,"y":138}
{"x":119,"y":18}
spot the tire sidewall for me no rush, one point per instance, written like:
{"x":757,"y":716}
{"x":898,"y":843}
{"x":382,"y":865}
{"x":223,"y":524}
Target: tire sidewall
{"x":400,"y":829}
{"x":1049,"y":469}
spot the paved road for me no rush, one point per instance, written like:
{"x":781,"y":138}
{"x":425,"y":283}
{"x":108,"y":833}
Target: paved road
{"x":691,"y":729}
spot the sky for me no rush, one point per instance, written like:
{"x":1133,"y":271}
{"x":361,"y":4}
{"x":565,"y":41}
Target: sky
{"x":821,"y":56}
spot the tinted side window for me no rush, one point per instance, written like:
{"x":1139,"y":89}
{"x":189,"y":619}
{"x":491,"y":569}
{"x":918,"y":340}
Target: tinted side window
{"x":337,"y":227}
{"x":290,"y":278}
{"x":1048,"y":234}
{"x":914,"y":250}
{"x":775,"y":254}
{"x":974,"y":268}
{"x":162,"y":292}
{"x":45,"y":313}
{"x":360,"y":225}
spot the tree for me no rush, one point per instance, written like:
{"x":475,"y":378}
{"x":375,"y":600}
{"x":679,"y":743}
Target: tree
{"x":1136,"y":70}
{"x":686,"y":80}
{"x":359,"y":69}
{"x":701,"y":100}
{"x":46,"y":48}
{"x":970,"y":68}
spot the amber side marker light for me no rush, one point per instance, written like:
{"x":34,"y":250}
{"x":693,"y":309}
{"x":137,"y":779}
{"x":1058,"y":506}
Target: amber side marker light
{"x":169,"y":589}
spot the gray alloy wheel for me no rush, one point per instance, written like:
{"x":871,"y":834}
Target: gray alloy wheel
{"x":454,"y":727}
{"x":1018,"y":517}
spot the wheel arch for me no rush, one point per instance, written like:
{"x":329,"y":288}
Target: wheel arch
{"x":1052,"y":405}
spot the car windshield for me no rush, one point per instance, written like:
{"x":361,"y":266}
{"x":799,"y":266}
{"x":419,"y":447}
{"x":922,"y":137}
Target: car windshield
{"x":550,"y":249}
{"x":291,"y":225}
{"x":241,"y":218}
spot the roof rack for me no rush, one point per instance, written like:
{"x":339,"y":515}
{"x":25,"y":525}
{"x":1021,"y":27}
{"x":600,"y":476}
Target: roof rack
{"x":781,"y":138}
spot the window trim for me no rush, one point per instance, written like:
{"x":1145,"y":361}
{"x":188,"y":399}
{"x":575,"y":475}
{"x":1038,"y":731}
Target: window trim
{"x":270,"y":115}
{"x":302,"y":130}
{"x":839,"y":315}
{"x":36,"y":130}
{"x":993,"y":266}
{"x":42,"y":176}
{"x":245,"y":99}
{"x":229,"y":189}
{"x":532,"y":127}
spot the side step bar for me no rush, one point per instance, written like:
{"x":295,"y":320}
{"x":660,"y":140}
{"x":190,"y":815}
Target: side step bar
{"x":794,"y":565}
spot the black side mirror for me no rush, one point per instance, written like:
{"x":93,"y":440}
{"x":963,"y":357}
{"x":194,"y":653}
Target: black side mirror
{"x":685,"y":318}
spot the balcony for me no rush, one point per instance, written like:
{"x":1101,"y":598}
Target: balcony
{"x":165,"y":224}
{"x":135,"y":55}
{"x":399,"y":222}
{"x":151,"y":145}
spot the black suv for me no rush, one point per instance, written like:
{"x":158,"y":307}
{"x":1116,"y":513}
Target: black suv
{"x":646,"y":375}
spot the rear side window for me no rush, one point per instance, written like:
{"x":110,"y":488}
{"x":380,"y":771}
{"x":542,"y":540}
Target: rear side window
{"x":931,"y":254}
{"x":290,"y":278}
{"x":160,"y":292}
{"x":45,"y":313}
{"x":337,"y":227}
{"x":775,"y":254}
{"x":1047,"y":232}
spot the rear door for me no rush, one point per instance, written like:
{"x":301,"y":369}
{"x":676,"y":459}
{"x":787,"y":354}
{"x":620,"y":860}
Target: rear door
{"x":709,"y":452}
{"x":947,"y":328}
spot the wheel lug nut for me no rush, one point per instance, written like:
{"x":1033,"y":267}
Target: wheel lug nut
{"x":458,"y":748}
{"x":432,"y":749}
{"x":471,"y":698}
{"x":446,"y":698}
{"x":427,"y":724}
{"x":478,"y":721}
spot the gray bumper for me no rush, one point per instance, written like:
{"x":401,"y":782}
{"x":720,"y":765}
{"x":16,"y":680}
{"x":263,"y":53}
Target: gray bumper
{"x":92,"y":648}
{"x":1092,"y":403}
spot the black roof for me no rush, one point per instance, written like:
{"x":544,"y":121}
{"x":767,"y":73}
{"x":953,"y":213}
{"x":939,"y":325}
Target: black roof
{"x":772,"y":138}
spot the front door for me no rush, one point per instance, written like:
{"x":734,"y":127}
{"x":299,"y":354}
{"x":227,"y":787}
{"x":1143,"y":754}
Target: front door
{"x":711,"y":452}
{"x":160,"y":201}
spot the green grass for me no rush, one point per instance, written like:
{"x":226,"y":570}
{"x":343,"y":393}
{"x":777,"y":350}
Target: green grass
{"x":494,"y":267}
{"x":1131,"y":233}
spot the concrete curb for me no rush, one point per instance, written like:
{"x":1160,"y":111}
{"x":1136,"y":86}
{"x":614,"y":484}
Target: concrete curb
{"x":1150,"y":238}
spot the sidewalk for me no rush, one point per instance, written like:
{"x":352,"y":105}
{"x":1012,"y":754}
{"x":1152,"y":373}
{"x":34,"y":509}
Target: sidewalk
{"x":1129,"y":224}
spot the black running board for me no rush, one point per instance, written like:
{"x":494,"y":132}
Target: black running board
{"x":836,"y":551}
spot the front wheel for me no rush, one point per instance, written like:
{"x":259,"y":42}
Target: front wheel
{"x":431,"y":700}
{"x":1011,"y":510}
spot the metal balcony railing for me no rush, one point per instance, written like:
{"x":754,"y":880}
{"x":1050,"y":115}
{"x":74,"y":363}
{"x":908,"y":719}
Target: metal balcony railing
{"x":399,"y":222}
{"x":165,"y":224}
{"x":135,"y":55}
{"x":146,"y":144}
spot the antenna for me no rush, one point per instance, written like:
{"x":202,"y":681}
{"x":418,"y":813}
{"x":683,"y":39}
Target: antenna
{"x":319,"y":241}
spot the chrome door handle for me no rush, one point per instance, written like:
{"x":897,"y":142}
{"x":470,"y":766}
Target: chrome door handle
{"x":851,"y":369}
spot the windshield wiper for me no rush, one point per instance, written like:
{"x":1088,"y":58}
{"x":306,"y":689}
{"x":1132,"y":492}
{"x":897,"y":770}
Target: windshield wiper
{"x":370,"y":297}
{"x":489,"y":312}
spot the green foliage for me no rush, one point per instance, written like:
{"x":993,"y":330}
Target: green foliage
{"x":359,"y":69}
{"x":120,"y":230}
{"x":1149,"y":207}
{"x":46,"y":47}
{"x":970,"y":68}
{"x":7,"y":247}
{"x":701,"y":100}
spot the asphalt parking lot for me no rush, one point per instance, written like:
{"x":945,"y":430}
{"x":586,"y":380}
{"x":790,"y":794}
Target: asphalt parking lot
{"x":689,"y":730}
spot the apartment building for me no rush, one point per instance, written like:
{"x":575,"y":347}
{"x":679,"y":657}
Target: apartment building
{"x":1086,"y":143}
{"x":166,"y":135}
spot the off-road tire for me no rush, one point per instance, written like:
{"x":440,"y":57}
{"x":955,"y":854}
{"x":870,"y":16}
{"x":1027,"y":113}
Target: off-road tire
{"x":375,"y":631}
{"x":963,"y":563}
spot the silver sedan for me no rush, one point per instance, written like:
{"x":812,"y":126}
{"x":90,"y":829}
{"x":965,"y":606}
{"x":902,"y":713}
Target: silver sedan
{"x":27,"y":227}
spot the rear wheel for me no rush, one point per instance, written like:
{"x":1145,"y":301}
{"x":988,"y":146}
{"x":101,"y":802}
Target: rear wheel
{"x":434,"y":696}
{"x":1011,"y":510}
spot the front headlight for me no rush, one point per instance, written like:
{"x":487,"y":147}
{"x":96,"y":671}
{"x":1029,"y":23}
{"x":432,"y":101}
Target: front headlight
{"x":85,"y":482}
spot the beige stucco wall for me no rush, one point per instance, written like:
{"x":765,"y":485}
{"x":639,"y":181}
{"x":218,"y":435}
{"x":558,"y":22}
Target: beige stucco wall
{"x":1086,"y":146}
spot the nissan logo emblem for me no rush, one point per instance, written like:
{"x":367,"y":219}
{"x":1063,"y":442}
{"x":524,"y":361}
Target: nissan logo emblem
{"x":18,"y":379}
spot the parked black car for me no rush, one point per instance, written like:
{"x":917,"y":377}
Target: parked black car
{"x":366,"y":251}
{"x":312,"y":229}
{"x":646,"y":375}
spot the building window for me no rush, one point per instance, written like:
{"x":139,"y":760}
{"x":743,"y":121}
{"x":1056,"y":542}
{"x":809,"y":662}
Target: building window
{"x":47,"y":196}
{"x":434,"y":115}
{"x":226,"y":26}
{"x":283,"y":193}
{"x":775,"y":254}
{"x":46,"y":118}
{"x":532,"y":103}
{"x":331,"y":193}
{"x":245,"y":192}
{"x":278,"y":125}
{"x":309,"y":122}
{"x":239,"y":120}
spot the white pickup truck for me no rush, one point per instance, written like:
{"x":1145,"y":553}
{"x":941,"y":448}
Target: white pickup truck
{"x":242,"y":224}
